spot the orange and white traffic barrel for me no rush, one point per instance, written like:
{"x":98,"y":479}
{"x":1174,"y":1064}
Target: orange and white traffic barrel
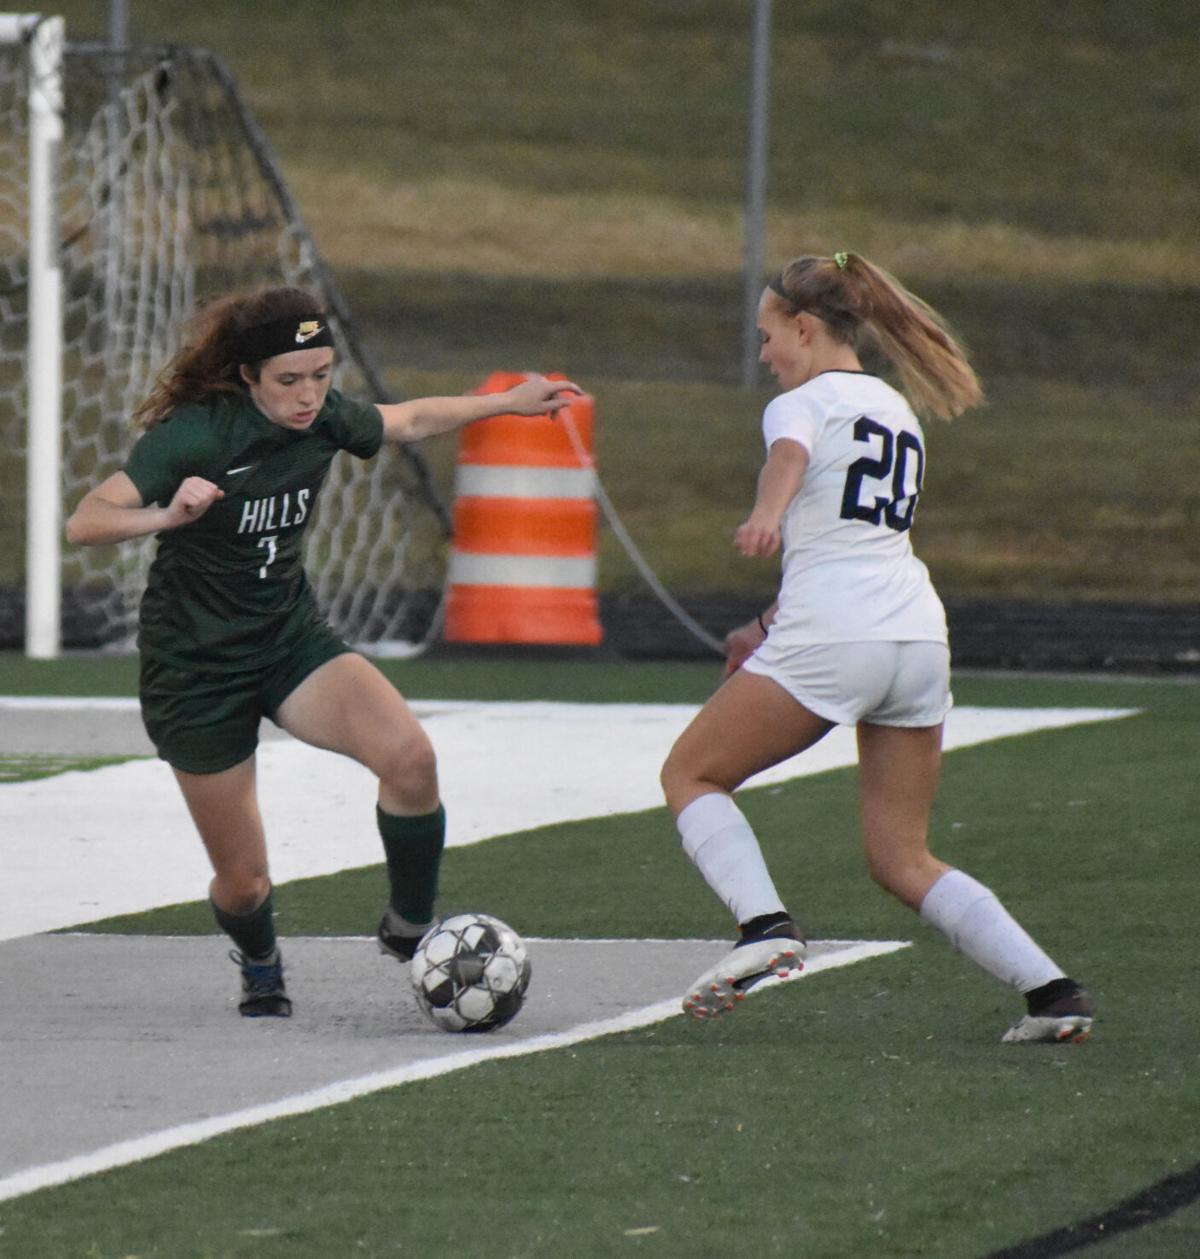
{"x":523,"y":556}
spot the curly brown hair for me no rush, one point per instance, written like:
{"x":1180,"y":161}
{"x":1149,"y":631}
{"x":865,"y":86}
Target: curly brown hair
{"x":207,"y":362}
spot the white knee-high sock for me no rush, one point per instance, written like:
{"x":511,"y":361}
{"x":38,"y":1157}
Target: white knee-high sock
{"x":979,"y":927}
{"x":717,"y":837}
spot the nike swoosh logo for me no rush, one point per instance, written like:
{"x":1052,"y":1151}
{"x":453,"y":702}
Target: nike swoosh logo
{"x":301,"y":337}
{"x":244,"y":468}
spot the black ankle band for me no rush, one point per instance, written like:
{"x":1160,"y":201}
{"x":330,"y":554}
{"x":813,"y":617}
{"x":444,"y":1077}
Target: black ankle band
{"x":1038,"y":999}
{"x":764,"y":922}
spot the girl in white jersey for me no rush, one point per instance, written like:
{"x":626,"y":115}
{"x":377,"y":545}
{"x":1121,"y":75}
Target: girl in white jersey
{"x":857,"y":636}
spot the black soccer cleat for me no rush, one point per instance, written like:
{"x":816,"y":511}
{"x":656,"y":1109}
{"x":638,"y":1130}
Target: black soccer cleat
{"x":399,"y":944}
{"x":263,"y":991}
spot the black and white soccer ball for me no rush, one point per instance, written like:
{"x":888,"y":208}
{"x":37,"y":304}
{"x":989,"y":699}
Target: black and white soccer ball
{"x":470,"y":973}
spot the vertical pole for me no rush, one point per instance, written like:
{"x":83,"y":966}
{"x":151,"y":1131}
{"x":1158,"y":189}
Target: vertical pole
{"x":118,"y":25}
{"x":113,"y":208}
{"x":43,"y":496}
{"x":756,"y":186}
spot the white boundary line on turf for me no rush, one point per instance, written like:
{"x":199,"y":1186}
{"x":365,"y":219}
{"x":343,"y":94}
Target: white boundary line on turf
{"x":69,"y":703}
{"x":136,"y":1150}
{"x":73,"y":853}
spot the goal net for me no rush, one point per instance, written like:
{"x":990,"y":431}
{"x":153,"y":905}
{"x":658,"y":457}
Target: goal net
{"x":168,"y":195}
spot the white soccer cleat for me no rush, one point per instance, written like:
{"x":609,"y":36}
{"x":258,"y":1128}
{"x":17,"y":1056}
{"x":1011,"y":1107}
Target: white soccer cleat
{"x":1047,"y":1030}
{"x":1067,"y":1018}
{"x":727,"y":983}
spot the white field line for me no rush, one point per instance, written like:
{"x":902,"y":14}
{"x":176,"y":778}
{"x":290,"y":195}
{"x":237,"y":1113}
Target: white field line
{"x":78,"y":847}
{"x":123,"y":1153}
{"x":68,"y":703}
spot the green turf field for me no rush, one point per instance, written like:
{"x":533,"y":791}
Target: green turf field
{"x":565,"y":194}
{"x":867,"y":1112}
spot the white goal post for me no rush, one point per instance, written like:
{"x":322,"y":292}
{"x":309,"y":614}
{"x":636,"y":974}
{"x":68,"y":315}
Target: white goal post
{"x":134,"y":185}
{"x":43,"y":499}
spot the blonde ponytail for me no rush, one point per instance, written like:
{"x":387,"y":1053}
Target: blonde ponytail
{"x":850,"y":294}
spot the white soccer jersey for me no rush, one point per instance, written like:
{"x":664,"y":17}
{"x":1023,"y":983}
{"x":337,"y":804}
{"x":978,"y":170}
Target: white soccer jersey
{"x":849,"y":572}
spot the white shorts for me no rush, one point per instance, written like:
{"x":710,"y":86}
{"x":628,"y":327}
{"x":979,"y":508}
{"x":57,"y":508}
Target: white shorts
{"x":886,"y":684}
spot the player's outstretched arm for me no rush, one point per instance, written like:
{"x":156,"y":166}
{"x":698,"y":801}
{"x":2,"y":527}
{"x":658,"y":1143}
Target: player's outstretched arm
{"x":426,"y":417}
{"x":778,"y":483}
{"x":114,"y":512}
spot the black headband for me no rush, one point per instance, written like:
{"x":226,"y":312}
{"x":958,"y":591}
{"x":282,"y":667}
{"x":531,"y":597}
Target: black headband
{"x":282,"y":336}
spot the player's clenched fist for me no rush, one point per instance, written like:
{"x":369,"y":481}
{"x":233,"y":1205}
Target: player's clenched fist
{"x":754,"y":539}
{"x":192,"y":499}
{"x":741,"y":644}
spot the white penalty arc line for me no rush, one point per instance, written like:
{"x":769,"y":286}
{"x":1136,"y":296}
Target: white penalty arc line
{"x":136,"y":1150}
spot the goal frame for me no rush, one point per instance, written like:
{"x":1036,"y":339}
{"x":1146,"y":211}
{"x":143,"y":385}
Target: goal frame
{"x":43,"y":505}
{"x":93,"y":325}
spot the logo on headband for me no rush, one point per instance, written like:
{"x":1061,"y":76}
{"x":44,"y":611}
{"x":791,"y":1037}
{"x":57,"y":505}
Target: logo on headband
{"x":307,"y":330}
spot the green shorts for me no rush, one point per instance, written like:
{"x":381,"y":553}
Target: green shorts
{"x":205,"y":722}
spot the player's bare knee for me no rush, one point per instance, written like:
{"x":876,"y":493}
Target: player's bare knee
{"x":676,"y":782}
{"x":666,"y":780}
{"x":408,"y":773}
{"x":240,"y":891}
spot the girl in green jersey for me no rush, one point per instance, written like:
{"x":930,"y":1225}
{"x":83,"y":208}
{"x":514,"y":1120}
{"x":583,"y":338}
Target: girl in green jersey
{"x":238,"y":435}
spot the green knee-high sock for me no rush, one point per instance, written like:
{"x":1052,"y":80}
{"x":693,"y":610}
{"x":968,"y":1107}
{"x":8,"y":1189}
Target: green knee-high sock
{"x":413,"y":846}
{"x":253,"y":933}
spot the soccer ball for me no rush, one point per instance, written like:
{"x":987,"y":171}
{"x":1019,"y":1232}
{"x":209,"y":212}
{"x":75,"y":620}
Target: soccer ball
{"x":470,"y":973}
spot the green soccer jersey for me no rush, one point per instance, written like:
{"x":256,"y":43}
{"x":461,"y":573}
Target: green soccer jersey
{"x":229,"y":592}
